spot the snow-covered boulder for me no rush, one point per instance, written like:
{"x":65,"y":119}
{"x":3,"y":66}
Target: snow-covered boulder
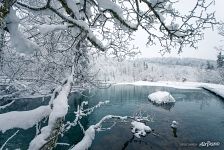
{"x":174,"y":124}
{"x":161,"y":97}
{"x":140,"y":129}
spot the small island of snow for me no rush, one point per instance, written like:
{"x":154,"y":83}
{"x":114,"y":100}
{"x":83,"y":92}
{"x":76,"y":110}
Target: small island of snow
{"x":174,"y":124}
{"x":161,"y":97}
{"x":140,"y":129}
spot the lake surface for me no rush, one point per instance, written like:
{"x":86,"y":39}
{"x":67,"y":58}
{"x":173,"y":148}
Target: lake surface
{"x":199,"y":113}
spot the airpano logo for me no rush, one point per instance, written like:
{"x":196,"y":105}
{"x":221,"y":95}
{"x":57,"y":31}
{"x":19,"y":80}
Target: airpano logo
{"x":209,"y":144}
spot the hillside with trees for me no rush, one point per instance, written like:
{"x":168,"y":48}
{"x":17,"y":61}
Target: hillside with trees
{"x":158,"y":69}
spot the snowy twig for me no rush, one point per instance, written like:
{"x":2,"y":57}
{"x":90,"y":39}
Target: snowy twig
{"x":6,"y":105}
{"x":9,"y":140}
{"x":80,"y":113}
{"x":64,"y":144}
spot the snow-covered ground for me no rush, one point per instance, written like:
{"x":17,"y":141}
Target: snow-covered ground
{"x":218,"y":89}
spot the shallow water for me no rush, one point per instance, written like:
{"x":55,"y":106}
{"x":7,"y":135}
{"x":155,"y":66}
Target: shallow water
{"x":199,"y":113}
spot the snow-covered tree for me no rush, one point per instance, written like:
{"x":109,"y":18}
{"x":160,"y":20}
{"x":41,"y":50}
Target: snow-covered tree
{"x":220,"y":57}
{"x":48,"y":32}
{"x":49,"y":42}
{"x":220,"y":60}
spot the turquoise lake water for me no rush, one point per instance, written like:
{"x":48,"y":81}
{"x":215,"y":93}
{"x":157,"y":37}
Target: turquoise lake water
{"x":199,"y":113}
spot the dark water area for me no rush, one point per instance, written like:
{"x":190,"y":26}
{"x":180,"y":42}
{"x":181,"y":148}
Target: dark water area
{"x":199,"y":113}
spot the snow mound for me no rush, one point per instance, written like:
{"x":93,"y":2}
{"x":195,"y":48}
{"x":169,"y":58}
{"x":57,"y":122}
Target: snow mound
{"x":161,"y":97}
{"x":140,"y":129}
{"x":174,"y":124}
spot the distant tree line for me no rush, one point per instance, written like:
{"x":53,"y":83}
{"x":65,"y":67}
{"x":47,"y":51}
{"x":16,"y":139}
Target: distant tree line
{"x":220,"y":60}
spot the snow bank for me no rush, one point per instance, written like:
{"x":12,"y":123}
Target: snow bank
{"x":23,"y":119}
{"x":161,"y":97}
{"x":177,"y":85}
{"x":215,"y":88}
{"x":140,"y":129}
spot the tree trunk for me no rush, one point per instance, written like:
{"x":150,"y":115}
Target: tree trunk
{"x":1,"y":43}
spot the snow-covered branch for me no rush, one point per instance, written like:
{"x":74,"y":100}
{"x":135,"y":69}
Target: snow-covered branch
{"x":7,"y":105}
{"x":23,"y":119}
{"x":139,"y":129}
{"x":81,"y":112}
{"x":59,"y":110}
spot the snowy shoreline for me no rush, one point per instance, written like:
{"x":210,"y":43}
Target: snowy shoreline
{"x":217,"y":89}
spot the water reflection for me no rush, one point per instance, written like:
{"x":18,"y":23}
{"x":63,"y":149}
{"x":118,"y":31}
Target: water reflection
{"x":127,"y":142}
{"x":174,"y":132}
{"x":167,"y":106}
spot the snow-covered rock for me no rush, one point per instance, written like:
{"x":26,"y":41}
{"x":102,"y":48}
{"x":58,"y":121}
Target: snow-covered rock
{"x":161,"y":97}
{"x":140,"y":129}
{"x":174,"y":124}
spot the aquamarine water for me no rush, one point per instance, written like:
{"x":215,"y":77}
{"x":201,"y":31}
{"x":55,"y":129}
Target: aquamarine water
{"x":199,"y":113}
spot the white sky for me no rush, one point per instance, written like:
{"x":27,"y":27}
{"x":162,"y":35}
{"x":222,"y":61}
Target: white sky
{"x":206,"y":48}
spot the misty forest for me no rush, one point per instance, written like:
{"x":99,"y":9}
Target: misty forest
{"x":72,"y":76}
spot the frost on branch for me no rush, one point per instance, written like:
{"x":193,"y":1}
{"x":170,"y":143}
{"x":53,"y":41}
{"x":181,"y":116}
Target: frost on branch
{"x":178,"y":30}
